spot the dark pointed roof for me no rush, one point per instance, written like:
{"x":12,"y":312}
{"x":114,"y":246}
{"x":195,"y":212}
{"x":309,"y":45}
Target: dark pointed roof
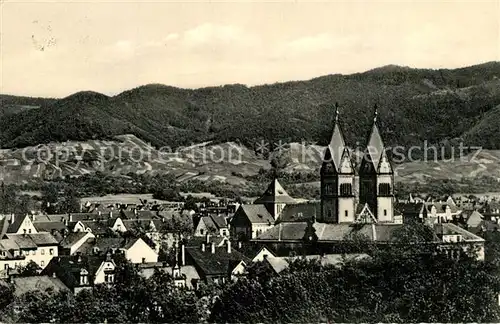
{"x":337,"y":143}
{"x":275,"y":194}
{"x":375,"y":145}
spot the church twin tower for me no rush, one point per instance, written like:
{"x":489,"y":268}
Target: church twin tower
{"x":340,"y":201}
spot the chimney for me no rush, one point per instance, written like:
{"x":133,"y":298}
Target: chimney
{"x":34,"y":217}
{"x":11,"y":218}
{"x":208,"y":238}
{"x":99,"y":213}
{"x":70,"y":217}
{"x":183,"y":255}
{"x":228,"y":246}
{"x":202,"y":247}
{"x":65,"y":222}
{"x":212,"y":246}
{"x":374,"y":232}
{"x":110,"y":214}
{"x":239,"y":244}
{"x":54,"y":275}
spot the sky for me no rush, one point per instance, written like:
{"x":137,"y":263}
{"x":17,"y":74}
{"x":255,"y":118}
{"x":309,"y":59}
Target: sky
{"x":55,"y":48}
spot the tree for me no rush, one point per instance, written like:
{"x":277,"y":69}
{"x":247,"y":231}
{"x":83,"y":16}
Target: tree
{"x":29,"y":270}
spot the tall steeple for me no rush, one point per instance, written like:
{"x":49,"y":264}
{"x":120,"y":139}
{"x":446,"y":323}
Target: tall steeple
{"x":337,"y":178}
{"x":376,"y":176}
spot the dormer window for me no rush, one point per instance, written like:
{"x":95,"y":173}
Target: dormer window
{"x":84,"y":277}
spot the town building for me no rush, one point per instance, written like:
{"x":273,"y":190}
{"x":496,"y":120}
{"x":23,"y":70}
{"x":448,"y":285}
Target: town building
{"x":345,"y":215}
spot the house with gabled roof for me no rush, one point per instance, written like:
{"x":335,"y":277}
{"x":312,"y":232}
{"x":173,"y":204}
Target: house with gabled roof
{"x":73,"y":241}
{"x":216,"y":264}
{"x":80,"y":272}
{"x":17,"y":250}
{"x":250,"y":221}
{"x":17,"y":224}
{"x":133,"y":249}
{"x":44,"y":284}
{"x":212,"y":224}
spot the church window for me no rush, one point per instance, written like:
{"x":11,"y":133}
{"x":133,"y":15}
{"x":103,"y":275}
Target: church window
{"x":345,"y":189}
{"x":384,"y":189}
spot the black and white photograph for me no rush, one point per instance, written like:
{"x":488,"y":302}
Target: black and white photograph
{"x":237,"y":161}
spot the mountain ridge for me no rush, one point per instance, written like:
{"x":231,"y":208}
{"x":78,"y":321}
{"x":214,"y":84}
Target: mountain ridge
{"x":415,"y":105}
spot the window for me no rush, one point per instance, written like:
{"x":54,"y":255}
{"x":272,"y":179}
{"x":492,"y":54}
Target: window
{"x":42,"y":263}
{"x":202,"y":231}
{"x":33,"y":252}
{"x":346,"y":213}
{"x":26,"y":252}
{"x":6,"y":266}
{"x":109,"y":277}
{"x":384,"y":189}
{"x":29,"y":231}
{"x":51,"y":251}
{"x":143,"y":260}
{"x":42,"y":251}
{"x":24,"y":231}
{"x":385,"y":212}
{"x":345,"y":189}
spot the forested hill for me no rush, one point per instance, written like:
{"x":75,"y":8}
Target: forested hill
{"x":414,"y":105}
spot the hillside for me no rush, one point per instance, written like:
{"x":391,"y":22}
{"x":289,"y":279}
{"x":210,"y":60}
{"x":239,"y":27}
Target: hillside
{"x":416,"y":105}
{"x":228,"y":162}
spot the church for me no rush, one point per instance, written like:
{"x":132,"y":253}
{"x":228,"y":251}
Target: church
{"x":374,"y":201}
{"x":357,"y":200}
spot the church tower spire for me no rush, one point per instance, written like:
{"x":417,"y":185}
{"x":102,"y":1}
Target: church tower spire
{"x":337,"y":179}
{"x":376,"y":178}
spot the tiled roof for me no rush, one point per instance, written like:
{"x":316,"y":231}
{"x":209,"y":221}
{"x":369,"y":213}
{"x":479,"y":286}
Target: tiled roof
{"x":139,"y":214}
{"x":300,"y":212}
{"x":275,"y":194}
{"x":68,"y":267}
{"x":329,"y":232}
{"x":475,"y":219}
{"x":49,"y":226}
{"x":72,"y":238}
{"x":23,"y":241}
{"x":14,"y":226}
{"x":219,"y":221}
{"x":278,"y":264}
{"x":452,"y":229}
{"x":24,"y":285}
{"x":104,"y":244}
{"x":131,"y":224}
{"x":255,"y":213}
{"x":209,"y":223}
{"x":42,"y":239}
{"x":129,"y":243}
{"x":218,"y":263}
{"x":97,"y":227}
